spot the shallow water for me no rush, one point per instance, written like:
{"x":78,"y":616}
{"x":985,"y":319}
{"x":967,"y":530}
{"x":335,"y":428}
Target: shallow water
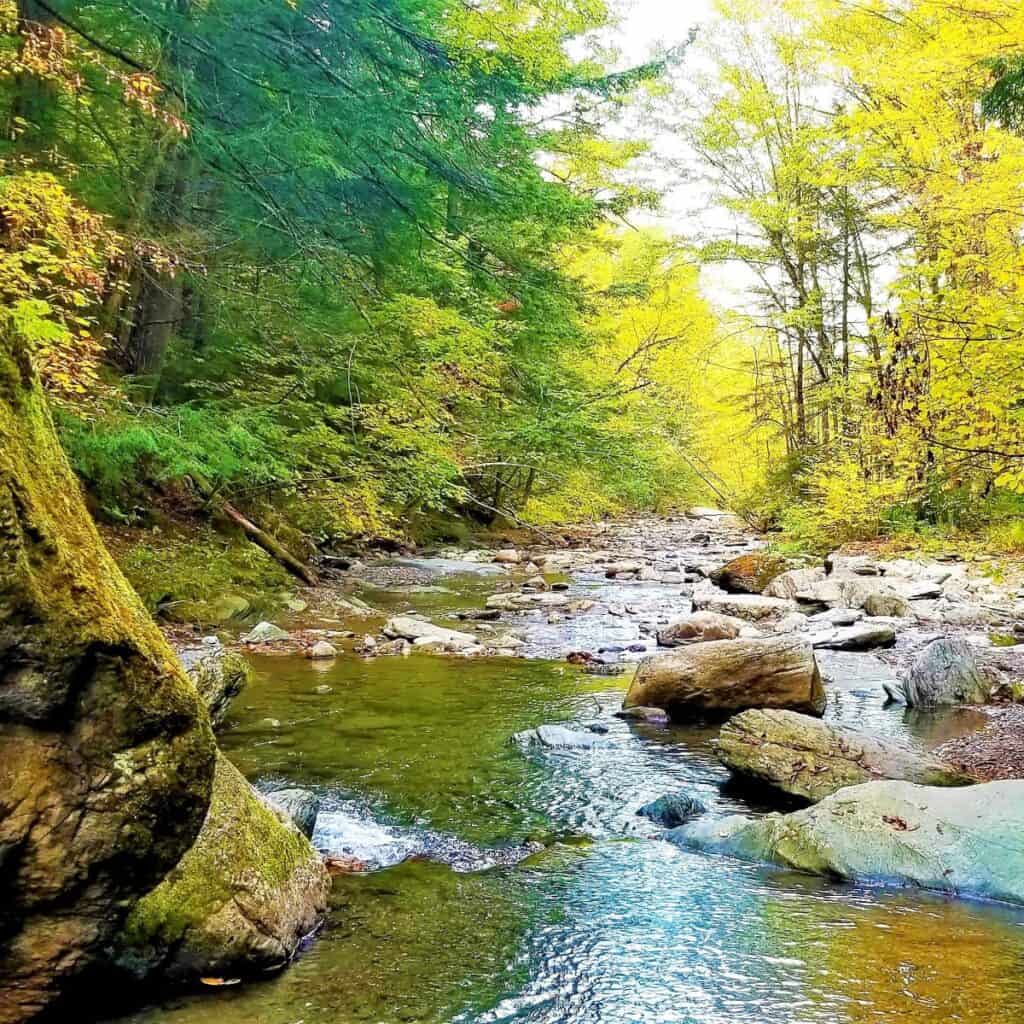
{"x":538,"y":895}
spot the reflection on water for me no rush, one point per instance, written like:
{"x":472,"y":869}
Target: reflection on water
{"x":607,"y":924}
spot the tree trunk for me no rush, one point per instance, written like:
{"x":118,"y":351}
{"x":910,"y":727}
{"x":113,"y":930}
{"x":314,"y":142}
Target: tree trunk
{"x":34,"y":111}
{"x":106,"y":753}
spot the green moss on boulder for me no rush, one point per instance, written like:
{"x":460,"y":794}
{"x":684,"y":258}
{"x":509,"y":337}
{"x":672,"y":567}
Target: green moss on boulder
{"x":106,"y":752}
{"x":240,"y":900}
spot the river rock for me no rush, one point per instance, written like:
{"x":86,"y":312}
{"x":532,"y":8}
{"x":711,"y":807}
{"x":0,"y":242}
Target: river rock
{"x":856,"y":565}
{"x":788,"y":584}
{"x":508,"y":556}
{"x":945,"y":672}
{"x":836,"y":617}
{"x":886,"y":605}
{"x":322,"y":650}
{"x":749,"y":574}
{"x":958,"y":841}
{"x":238,"y":903}
{"x":558,"y":737}
{"x":404,"y":627}
{"x":218,"y":675}
{"x":642,"y":714}
{"x":299,"y":806}
{"x":858,"y":637}
{"x":673,"y":809}
{"x":264,"y":633}
{"x":730,"y":675}
{"x":752,"y":607}
{"x":807,"y":758}
{"x":699,"y":627}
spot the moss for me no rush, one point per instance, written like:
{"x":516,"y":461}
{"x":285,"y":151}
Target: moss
{"x":239,"y":899}
{"x":99,"y":726}
{"x":192,"y":574}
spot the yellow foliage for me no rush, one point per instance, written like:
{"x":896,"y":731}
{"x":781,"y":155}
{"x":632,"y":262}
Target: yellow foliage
{"x":54,"y":255}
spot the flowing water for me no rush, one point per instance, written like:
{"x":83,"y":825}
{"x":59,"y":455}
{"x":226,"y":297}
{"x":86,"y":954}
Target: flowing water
{"x":522,"y":886}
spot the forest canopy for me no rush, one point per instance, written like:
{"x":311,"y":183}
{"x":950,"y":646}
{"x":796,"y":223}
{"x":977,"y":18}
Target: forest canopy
{"x":354,"y":267}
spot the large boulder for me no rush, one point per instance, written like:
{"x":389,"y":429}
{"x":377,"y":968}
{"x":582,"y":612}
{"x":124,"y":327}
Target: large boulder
{"x":960,"y":841}
{"x":219,"y":675}
{"x":724,"y":676}
{"x":106,"y":751}
{"x":752,"y":607}
{"x":238,"y":903}
{"x":808,"y":758}
{"x":698,"y":628}
{"x":750,"y":573}
{"x":945,"y":672}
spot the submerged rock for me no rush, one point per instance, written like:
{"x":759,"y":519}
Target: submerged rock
{"x":945,"y":672}
{"x":730,"y":675}
{"x":299,"y":806}
{"x":673,"y":809}
{"x":219,"y":675}
{"x":749,"y":574}
{"x":699,"y":627}
{"x":808,"y":758}
{"x":962,"y":841}
{"x":559,"y":737}
{"x":239,"y":902}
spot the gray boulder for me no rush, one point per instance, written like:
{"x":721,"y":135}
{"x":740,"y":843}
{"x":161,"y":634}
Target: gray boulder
{"x":300,"y":806}
{"x":959,"y":841}
{"x":673,"y":809}
{"x":404,"y":627}
{"x":218,"y":675}
{"x":858,"y":637}
{"x":700,"y":627}
{"x":808,"y":758}
{"x":945,"y":672}
{"x":723,"y":676}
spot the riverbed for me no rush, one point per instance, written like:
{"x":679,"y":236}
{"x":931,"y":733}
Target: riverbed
{"x":517,"y":884}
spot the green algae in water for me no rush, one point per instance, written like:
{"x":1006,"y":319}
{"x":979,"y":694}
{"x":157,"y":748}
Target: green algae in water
{"x":424,"y":739}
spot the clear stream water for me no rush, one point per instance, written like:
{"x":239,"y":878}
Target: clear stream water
{"x":536,"y":894}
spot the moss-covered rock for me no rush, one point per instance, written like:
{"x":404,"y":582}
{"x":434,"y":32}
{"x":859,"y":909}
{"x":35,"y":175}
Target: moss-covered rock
{"x":106,"y":753}
{"x":749,"y":574}
{"x":811,"y":759}
{"x":240,"y":900}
